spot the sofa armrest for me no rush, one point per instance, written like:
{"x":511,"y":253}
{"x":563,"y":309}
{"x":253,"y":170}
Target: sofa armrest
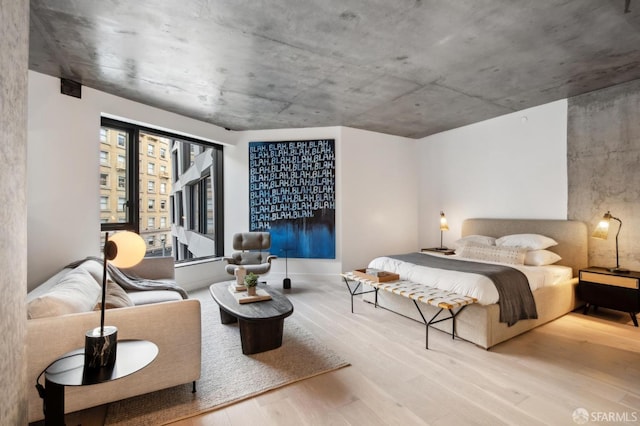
{"x":153,"y":268}
{"x":175,"y":327}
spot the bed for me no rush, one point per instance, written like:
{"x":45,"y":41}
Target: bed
{"x":480,"y":323}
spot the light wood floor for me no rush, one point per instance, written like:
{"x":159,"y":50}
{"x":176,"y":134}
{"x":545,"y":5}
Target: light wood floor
{"x":539,"y":378}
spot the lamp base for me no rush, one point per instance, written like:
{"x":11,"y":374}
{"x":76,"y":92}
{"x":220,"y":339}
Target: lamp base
{"x":441,"y":248}
{"x":286,"y":283}
{"x":619,"y":270}
{"x":100,"y":348}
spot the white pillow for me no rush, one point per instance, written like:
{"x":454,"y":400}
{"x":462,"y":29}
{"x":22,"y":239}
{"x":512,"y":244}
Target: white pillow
{"x":527,"y":241}
{"x":540,"y":257}
{"x":76,"y":291}
{"x":476,"y":239}
{"x":509,"y":255}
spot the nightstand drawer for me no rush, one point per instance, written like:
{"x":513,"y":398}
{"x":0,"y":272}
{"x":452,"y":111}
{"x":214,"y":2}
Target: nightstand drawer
{"x":614,"y":280}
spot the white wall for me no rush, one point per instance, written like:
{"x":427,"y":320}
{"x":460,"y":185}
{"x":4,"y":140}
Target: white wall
{"x":62,"y":167}
{"x":379,"y":202}
{"x":376,"y":206}
{"x":512,"y":166}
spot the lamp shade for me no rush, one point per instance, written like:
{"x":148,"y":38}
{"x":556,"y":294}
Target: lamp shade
{"x":444,"y":226}
{"x":602,"y":230}
{"x":125,"y":249}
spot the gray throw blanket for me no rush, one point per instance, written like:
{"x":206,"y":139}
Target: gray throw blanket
{"x":132,"y":283}
{"x":516,"y":301}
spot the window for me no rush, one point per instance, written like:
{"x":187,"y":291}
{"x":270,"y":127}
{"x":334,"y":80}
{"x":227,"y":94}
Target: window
{"x":103,"y":135}
{"x":188,"y":189}
{"x":104,"y":179}
{"x":117,"y":156}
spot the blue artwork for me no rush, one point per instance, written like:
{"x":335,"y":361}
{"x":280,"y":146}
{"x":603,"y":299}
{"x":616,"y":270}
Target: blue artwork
{"x":292,"y":196}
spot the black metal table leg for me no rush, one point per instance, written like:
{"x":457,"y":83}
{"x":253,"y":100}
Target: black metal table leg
{"x":53,"y":404}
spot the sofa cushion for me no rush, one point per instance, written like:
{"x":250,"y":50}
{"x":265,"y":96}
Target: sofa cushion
{"x":153,"y":296}
{"x":116,"y":297}
{"x":76,"y":292}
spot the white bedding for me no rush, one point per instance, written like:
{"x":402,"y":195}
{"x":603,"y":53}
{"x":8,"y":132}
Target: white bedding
{"x":469,"y":284}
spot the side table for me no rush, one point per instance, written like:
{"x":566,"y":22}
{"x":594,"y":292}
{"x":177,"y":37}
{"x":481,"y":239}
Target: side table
{"x":614,"y":290}
{"x":68,"y":370}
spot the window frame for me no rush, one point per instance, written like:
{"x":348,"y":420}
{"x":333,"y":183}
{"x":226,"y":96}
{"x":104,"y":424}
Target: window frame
{"x":133,"y":170}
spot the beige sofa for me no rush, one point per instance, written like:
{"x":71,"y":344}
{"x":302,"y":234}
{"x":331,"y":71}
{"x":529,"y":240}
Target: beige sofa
{"x":160,"y":316}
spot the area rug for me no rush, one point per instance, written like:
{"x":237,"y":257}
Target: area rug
{"x":228,"y":376}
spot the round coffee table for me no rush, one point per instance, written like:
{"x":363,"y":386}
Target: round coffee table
{"x":261,"y":323}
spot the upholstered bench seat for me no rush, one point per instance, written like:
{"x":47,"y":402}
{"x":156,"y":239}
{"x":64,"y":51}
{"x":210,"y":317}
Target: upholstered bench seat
{"x":443,"y":299}
{"x":429,"y":295}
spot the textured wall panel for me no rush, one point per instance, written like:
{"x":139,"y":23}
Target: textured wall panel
{"x":603,"y":154}
{"x":14,"y":30}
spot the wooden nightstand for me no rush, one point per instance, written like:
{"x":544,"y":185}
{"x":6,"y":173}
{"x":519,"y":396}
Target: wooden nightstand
{"x":619,"y":291}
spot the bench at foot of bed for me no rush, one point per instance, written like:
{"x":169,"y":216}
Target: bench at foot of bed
{"x":448,"y":301}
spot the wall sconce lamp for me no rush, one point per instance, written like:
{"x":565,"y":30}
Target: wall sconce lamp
{"x":124,"y":250}
{"x":444,"y":226}
{"x":602,"y":232}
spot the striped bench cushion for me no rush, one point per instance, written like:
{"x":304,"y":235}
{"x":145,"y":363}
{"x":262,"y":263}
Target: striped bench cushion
{"x":419,"y":292}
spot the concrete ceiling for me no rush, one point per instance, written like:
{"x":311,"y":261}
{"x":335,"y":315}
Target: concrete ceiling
{"x":403,"y":67}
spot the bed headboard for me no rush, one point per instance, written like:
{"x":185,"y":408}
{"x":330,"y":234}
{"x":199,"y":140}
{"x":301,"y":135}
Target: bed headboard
{"x":571,"y":235}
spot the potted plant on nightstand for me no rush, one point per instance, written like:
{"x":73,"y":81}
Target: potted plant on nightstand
{"x":251,"y":281}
